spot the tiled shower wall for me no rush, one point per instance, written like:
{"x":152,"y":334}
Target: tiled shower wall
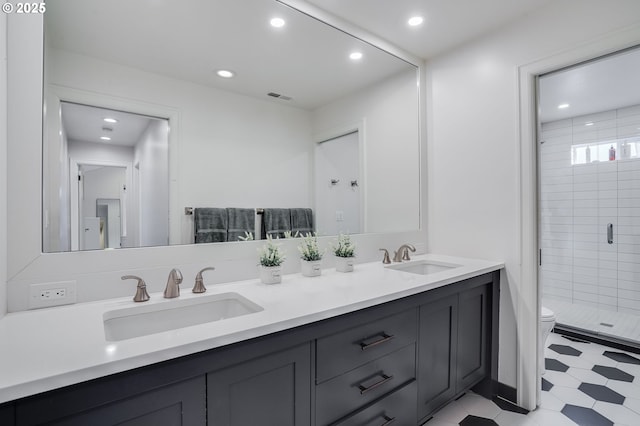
{"x":576,"y":204}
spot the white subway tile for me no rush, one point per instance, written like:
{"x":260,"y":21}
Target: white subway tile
{"x":609,"y":301}
{"x":628,"y":258}
{"x":586,"y":297}
{"x":585,"y":254}
{"x":629,"y":276}
{"x":629,"y":211}
{"x":585,"y":288}
{"x":629,"y":267}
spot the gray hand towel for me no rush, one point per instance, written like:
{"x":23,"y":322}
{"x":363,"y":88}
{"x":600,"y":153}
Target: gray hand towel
{"x":301,"y":221}
{"x":239,"y":222}
{"x":275,"y":222}
{"x":210,"y":225}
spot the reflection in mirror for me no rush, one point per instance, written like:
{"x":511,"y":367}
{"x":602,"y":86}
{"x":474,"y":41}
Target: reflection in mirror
{"x":109,"y":233}
{"x":253,"y":141}
{"x":112,"y":155}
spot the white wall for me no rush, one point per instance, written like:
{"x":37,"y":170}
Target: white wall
{"x":391,"y":182}
{"x":473,"y":205}
{"x":151,"y":160}
{"x":3,"y":164}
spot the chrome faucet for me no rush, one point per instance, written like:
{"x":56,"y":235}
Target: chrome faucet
{"x":172,"y":289}
{"x":141,"y":291}
{"x":403,"y":253}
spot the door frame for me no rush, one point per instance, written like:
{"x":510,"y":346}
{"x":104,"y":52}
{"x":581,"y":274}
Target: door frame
{"x":528,"y":306}
{"x":74,"y":210}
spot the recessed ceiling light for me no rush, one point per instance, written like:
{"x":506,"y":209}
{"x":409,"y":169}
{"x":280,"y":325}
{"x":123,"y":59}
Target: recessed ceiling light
{"x":110,"y":120}
{"x":414,"y":21}
{"x":277,"y":22}
{"x":105,"y":138}
{"x":563,"y":106}
{"x":355,"y":56}
{"x":589,"y":123}
{"x":225,"y":73}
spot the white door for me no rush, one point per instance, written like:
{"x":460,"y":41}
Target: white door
{"x":91,"y":233}
{"x":338,"y":186}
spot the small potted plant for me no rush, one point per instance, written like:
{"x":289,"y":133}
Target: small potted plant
{"x":271,"y":260}
{"x":310,"y":255}
{"x":345,"y":252}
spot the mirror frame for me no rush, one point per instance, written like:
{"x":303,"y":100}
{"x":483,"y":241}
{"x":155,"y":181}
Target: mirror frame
{"x":95,"y":272}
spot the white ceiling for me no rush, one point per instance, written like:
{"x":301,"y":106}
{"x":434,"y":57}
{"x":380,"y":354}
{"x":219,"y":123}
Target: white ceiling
{"x":306,"y":60}
{"x":608,"y":83}
{"x":85,"y":124}
{"x":191,"y":39}
{"x":448,"y":23}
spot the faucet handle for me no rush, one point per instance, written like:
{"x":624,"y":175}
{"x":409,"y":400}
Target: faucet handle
{"x":141,"y":291}
{"x":385,"y":259}
{"x":199,"y":285}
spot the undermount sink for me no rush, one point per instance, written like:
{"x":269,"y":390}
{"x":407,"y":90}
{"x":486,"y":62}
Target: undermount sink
{"x":136,"y":321}
{"x":423,"y":267}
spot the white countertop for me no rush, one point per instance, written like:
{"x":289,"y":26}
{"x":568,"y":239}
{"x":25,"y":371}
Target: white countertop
{"x":50,"y":348}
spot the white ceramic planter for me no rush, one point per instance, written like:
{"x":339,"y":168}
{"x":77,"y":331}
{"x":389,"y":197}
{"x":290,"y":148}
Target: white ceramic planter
{"x":344,"y":264}
{"x":310,"y":268}
{"x":271,"y":274}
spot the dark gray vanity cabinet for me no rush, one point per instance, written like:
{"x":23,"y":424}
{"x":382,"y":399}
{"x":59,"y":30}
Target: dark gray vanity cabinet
{"x":455,"y":350}
{"x":437,"y":354}
{"x":7,"y":414}
{"x":271,"y":390}
{"x":393,"y":363}
{"x":471,"y":359}
{"x":177,"y":404}
{"x":362,"y":365}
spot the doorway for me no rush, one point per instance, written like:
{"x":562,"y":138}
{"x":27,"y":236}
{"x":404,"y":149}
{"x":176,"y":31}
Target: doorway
{"x":589,"y":196}
{"x":338,"y":185}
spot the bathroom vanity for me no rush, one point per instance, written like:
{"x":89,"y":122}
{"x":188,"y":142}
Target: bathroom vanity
{"x":377,"y":345}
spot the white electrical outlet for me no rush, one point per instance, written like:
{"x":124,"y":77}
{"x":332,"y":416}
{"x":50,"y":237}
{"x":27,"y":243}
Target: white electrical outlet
{"x":52,"y":294}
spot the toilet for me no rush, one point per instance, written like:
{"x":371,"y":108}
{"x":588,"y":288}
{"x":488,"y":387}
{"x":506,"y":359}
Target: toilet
{"x":547,"y":322}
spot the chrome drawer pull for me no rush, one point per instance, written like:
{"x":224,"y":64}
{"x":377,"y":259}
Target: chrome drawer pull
{"x":365,"y":389}
{"x":385,"y":338}
{"x":388,"y":420}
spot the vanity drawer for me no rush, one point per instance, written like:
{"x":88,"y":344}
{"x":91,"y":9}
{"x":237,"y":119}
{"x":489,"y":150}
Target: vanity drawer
{"x":341,"y":395}
{"x":353,"y":347}
{"x":396,"y":409}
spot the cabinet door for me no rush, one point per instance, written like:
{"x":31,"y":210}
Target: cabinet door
{"x":436,"y":354}
{"x":7,"y":414}
{"x":273,"y":390}
{"x":472,"y":337}
{"x":173,"y":405}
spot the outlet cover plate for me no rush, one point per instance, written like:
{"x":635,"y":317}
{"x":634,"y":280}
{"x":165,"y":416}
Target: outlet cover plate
{"x":52,"y":294}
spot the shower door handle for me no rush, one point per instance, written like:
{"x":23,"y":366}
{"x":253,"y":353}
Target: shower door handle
{"x":610,"y":233}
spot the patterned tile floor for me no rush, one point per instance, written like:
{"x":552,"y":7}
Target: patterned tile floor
{"x":585,"y":384}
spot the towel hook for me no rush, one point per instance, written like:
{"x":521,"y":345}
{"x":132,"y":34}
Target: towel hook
{"x":334,"y":181}
{"x":354,"y":183}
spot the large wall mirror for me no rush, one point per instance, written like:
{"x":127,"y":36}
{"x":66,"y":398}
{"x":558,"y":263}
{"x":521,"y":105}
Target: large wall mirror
{"x":308,"y":117}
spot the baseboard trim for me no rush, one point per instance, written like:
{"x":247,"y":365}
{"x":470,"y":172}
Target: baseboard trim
{"x":507,"y":392}
{"x":600,"y":339}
